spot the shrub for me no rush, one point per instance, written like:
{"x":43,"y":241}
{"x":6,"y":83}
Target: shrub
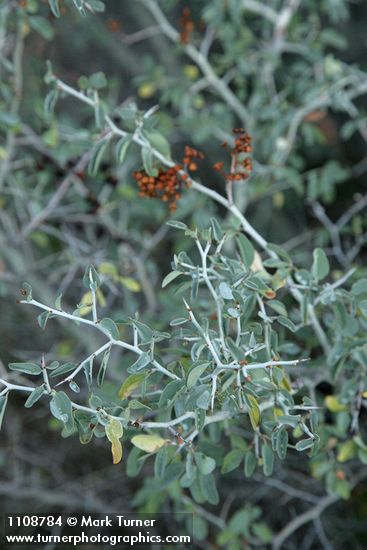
{"x":258,"y":361}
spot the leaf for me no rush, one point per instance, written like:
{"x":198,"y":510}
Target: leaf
{"x":254,"y":411}
{"x":202,"y":401}
{"x":278,"y":307}
{"x":234,"y":313}
{"x":27,"y":291}
{"x":130,"y":283}
{"x":148,"y":443}
{"x":88,"y":371}
{"x":122,"y":147}
{"x":195,"y":373}
{"x":232,"y":460}
{"x":86,"y":301}
{"x":287,"y":323}
{"x":103,"y":367}
{"x":217,"y":230}
{"x":208,"y":488}
{"x":54,"y":5}
{"x":225,"y":291}
{"x":26,"y":368}
{"x":289,"y":420}
{"x":3,"y":403}
{"x":43,"y":318}
{"x":178,"y":321}
{"x":160,"y":463}
{"x":63,"y":369}
{"x":146,"y":333}
{"x":206,"y":464}
{"x":304,"y":444}
{"x":114,"y":432}
{"x":74,"y":386}
{"x":360,"y":287}
{"x":143,"y":360}
{"x":79,"y":5}
{"x":268,"y":458}
{"x":147,"y":158}
{"x":363,"y":307}
{"x":250,"y":463}
{"x":98,"y":80}
{"x":135,"y":404}
{"x":235,"y":351}
{"x":262,"y":531}
{"x":334,"y":405}
{"x":247,"y":251}
{"x":110,"y":326}
{"x":96,"y":6}
{"x":282,"y":443}
{"x":135,"y":462}
{"x":91,"y":279}
{"x":34,"y":396}
{"x":58,"y":302}
{"x":159,"y":143}
{"x":170,"y":277}
{"x":99,"y":113}
{"x":200,"y":417}
{"x":96,"y":156}
{"x":169,"y":392}
{"x":190,"y":467}
{"x":347,"y":451}
{"x":42,"y":26}
{"x":320,"y":266}
{"x":176,"y":224}
{"x":61,"y":408}
{"x":130,"y":384}
{"x":50,"y":102}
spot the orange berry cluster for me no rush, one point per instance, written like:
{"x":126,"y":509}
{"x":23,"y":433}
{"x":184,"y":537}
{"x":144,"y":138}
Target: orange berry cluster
{"x":241,"y":163}
{"x":167,"y":185}
{"x":186,"y":26}
{"x":190,"y":157}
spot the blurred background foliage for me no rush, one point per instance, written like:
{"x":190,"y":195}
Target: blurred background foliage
{"x":297,"y":84}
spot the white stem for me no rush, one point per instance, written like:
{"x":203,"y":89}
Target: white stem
{"x":112,"y":341}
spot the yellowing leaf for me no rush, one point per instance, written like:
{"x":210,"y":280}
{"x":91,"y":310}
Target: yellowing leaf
{"x":114,"y":432}
{"x":130,"y":284}
{"x":191,"y":71}
{"x":278,"y":199}
{"x":116,"y":449}
{"x":297,"y":432}
{"x":254,"y":411}
{"x":257,"y":264}
{"x":347,"y":451}
{"x":147,"y":90}
{"x":100,"y":297}
{"x":106,"y":268}
{"x":278,"y":412}
{"x":133,"y":381}
{"x":285,"y":383}
{"x":149,"y":443}
{"x":334,"y":405}
{"x":87,"y":301}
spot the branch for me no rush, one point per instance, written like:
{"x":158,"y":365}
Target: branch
{"x":310,"y":515}
{"x":112,"y":341}
{"x":197,"y":57}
